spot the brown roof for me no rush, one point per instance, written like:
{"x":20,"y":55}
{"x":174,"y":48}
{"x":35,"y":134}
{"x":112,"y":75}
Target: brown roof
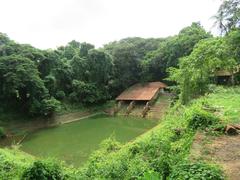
{"x":227,"y":72}
{"x":143,"y":92}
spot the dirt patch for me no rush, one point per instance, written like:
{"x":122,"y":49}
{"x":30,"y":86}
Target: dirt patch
{"x":223,"y":150}
{"x":71,"y":117}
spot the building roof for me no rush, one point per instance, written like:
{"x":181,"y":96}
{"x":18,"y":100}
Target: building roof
{"x":141,"y":92}
{"x":227,"y":72}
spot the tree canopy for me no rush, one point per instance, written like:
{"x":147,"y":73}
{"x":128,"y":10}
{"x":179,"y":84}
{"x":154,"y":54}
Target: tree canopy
{"x":38,"y":81}
{"x":228,"y":16}
{"x":196,"y":71}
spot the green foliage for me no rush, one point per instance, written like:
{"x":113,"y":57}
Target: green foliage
{"x":87,"y":93}
{"x":228,"y":16}
{"x":127,"y":55}
{"x":60,"y":95}
{"x":49,"y":106}
{"x":201,"y":119}
{"x":110,"y":145}
{"x":2,"y":132}
{"x":197,"y":171}
{"x":13,"y":163}
{"x":196,"y":70}
{"x":233,"y":41}
{"x":83,"y":74}
{"x":155,"y":63}
{"x":45,"y":170}
{"x":226,"y":102}
{"x":21,"y":87}
{"x":151,"y":175}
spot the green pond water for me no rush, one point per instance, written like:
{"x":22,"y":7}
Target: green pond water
{"x":74,"y":142}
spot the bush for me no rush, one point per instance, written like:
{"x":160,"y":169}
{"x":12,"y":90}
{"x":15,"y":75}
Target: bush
{"x":2,"y":132}
{"x":8,"y":169}
{"x":44,"y":170}
{"x":60,"y":95}
{"x":151,"y":175}
{"x":196,"y":171}
{"x":200,"y":119}
{"x":110,"y":145}
{"x":49,"y":106}
{"x":88,"y":93}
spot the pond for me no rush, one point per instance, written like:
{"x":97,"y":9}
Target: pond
{"x":74,"y":142}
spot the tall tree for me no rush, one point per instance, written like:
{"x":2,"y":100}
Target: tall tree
{"x":21,"y":87}
{"x":195,"y":71}
{"x":228,"y":16}
{"x":170,"y":50}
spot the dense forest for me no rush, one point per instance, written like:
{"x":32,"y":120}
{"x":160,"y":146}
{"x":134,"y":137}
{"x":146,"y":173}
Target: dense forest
{"x":38,"y":83}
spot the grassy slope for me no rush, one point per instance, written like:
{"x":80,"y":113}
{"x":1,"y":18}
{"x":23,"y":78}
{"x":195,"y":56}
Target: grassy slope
{"x":12,"y":163}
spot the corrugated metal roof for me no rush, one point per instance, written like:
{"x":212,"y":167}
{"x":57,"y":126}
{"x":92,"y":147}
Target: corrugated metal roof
{"x":141,"y":92}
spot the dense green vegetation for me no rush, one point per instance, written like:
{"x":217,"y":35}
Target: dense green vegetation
{"x":197,"y":71}
{"x":37,"y":82}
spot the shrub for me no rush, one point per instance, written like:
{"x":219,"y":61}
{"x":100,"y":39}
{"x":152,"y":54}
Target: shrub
{"x":8,"y":169}
{"x":137,"y":167}
{"x":60,"y":95}
{"x":44,"y":170}
{"x":2,"y":132}
{"x":110,"y":145}
{"x":200,"y":119}
{"x":49,"y":106}
{"x":87,"y":93}
{"x":151,"y":175}
{"x":198,"y":170}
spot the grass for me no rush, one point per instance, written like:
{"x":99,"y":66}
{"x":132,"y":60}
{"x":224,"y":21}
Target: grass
{"x":12,"y":163}
{"x":228,"y":102}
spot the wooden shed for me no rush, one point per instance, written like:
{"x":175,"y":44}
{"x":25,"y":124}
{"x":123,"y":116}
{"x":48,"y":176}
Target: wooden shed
{"x":227,"y":76}
{"x":142,"y":92}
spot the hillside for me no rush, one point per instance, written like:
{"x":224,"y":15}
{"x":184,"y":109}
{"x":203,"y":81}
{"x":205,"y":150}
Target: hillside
{"x":163,"y":152}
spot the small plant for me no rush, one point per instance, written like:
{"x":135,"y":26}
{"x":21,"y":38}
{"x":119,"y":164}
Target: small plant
{"x":44,"y":170}
{"x":198,"y":170}
{"x":110,"y":144}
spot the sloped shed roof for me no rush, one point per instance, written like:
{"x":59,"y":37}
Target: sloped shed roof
{"x":141,"y":92}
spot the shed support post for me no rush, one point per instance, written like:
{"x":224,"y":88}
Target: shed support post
{"x":130,"y":107}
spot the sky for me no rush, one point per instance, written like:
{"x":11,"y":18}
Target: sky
{"x":52,"y":23}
